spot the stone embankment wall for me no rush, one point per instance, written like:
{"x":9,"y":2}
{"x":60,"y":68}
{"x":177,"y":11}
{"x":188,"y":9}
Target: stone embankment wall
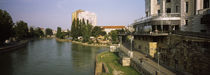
{"x":13,"y":47}
{"x":182,"y":54}
{"x":186,"y":54}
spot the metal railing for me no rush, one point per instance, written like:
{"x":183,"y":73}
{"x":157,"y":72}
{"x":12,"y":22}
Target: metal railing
{"x":203,"y":11}
{"x":152,"y":33}
{"x":193,"y":34}
{"x":144,"y":19}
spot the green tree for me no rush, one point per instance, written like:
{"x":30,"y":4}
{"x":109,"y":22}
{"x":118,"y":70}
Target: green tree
{"x":73,"y":30}
{"x":58,"y":35}
{"x":32,"y":32}
{"x":21,"y":30}
{"x":89,"y":30}
{"x":114,"y":36}
{"x":6,"y":25}
{"x":48,"y":31}
{"x":39,"y":32}
{"x":79,"y":27}
{"x":84,"y":30}
{"x":97,"y":31}
{"x":68,"y":32}
{"x":103,"y":33}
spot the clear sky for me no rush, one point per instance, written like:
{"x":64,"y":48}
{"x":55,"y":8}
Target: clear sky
{"x":54,"y":13}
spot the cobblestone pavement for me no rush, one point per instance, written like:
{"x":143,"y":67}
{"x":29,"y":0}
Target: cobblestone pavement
{"x":147,"y":63}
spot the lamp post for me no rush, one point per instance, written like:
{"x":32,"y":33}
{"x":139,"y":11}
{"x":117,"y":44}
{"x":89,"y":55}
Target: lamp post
{"x":131,"y":52}
{"x":158,"y":61}
{"x":132,"y":42}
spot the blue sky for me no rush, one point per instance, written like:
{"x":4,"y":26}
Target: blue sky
{"x":54,"y":13}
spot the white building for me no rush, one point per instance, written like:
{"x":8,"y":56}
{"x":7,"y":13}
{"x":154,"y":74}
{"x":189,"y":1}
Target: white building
{"x":108,"y":29}
{"x":90,"y":16}
{"x":164,"y":16}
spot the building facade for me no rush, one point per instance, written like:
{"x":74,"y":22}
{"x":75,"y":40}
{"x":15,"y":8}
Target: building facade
{"x":193,"y":13}
{"x":162,"y":16}
{"x":86,"y":15}
{"x":75,"y":14}
{"x":108,"y":29}
{"x":174,"y":33}
{"x":175,"y":15}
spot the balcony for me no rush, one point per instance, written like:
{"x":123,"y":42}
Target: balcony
{"x":151,"y":33}
{"x":203,"y":11}
{"x":166,"y":16}
{"x":192,"y":34}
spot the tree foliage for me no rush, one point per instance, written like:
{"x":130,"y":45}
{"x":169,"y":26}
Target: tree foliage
{"x":61,"y":34}
{"x":98,"y":31}
{"x":21,"y":30}
{"x":48,"y":31}
{"x":86,"y":30}
{"x":114,"y":36}
{"x":81,"y":28}
{"x":39,"y":32}
{"x":6,"y":25}
{"x":58,"y":34}
{"x":31,"y":32}
{"x":73,"y":29}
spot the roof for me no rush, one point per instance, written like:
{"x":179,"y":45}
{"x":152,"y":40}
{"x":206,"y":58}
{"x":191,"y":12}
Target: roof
{"x":113,"y":27}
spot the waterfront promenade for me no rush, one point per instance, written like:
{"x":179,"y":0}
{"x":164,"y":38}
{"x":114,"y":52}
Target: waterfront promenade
{"x":146,"y":63}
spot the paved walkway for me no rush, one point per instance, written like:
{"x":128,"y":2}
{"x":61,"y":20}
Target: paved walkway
{"x":147,"y":63}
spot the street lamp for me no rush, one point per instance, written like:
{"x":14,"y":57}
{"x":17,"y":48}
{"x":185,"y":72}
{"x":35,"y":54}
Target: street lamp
{"x":130,"y":52}
{"x":132,"y":42}
{"x":158,"y":61}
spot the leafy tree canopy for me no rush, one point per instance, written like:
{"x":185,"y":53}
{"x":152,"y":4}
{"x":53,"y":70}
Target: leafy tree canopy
{"x":97,"y":31}
{"x":21,"y":30}
{"x":49,"y":31}
{"x":6,"y":25}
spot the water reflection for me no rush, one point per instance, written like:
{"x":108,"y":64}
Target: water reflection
{"x":49,"y":57}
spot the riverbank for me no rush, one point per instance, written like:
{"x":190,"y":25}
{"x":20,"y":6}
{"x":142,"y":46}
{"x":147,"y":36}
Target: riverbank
{"x":107,"y":63}
{"x":63,"y":40}
{"x":81,"y":43}
{"x":86,"y":44}
{"x":14,"y":46}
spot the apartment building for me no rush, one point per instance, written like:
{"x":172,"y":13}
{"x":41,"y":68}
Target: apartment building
{"x":86,"y":15}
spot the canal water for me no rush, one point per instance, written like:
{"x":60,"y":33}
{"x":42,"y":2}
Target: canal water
{"x":50,"y":57}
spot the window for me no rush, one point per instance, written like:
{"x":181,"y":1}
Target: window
{"x":168,"y":10}
{"x":187,"y":7}
{"x":168,"y":1}
{"x":158,"y":12}
{"x":177,"y":9}
{"x":186,"y":22}
{"x":206,"y":4}
{"x":158,"y":1}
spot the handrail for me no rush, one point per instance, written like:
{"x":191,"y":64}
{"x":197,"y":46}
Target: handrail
{"x":194,"y":34}
{"x":202,"y":11}
{"x":144,"y":19}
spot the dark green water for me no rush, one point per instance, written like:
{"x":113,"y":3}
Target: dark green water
{"x":49,"y":57}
